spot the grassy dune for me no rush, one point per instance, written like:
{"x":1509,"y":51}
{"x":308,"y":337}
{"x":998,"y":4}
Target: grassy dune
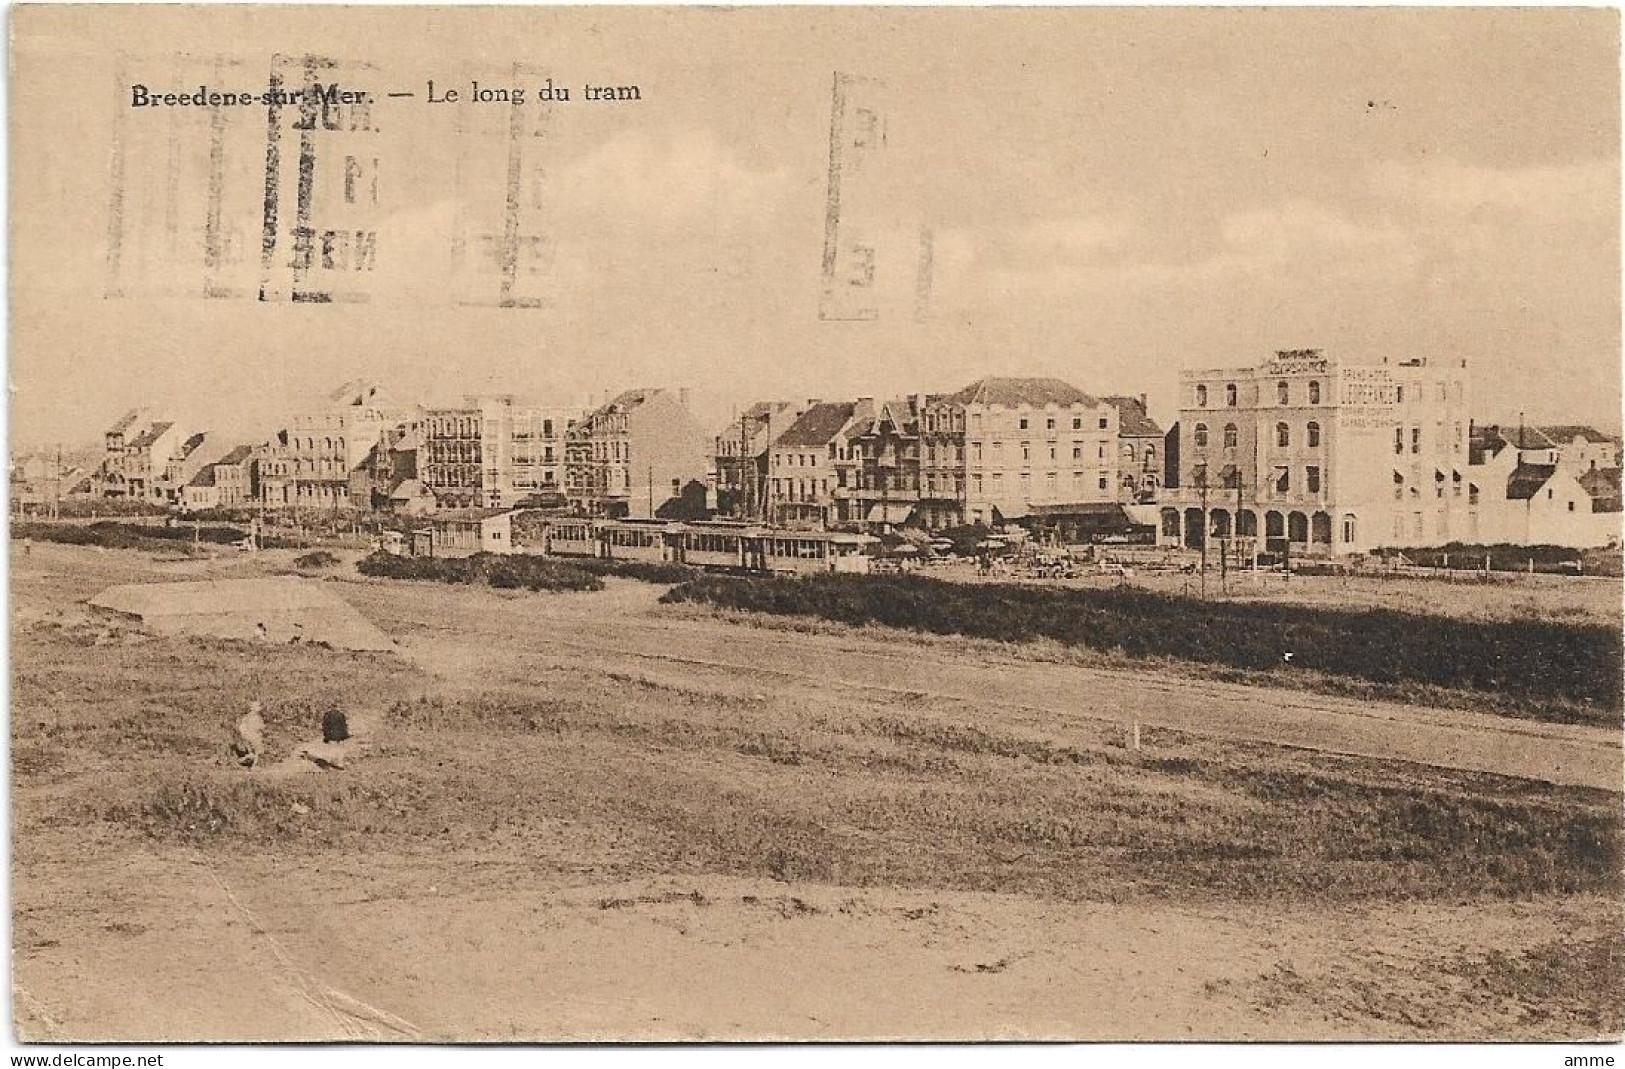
{"x":1556,"y":670}
{"x":707,"y":783}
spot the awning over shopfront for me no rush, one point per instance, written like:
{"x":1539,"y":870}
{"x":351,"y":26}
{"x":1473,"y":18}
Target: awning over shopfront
{"x":889,"y":513}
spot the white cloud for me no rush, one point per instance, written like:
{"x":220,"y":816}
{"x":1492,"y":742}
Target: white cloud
{"x":1567,"y":191}
{"x":675,"y":177}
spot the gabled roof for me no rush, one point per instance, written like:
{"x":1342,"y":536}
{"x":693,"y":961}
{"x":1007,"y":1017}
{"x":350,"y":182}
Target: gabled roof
{"x":1015,"y":392}
{"x":150,"y":435}
{"x":627,"y":399}
{"x":1565,"y":433}
{"x":1132,"y":419}
{"x":190,"y":445}
{"x":754,"y":419}
{"x":1495,"y":438}
{"x":1527,"y":479}
{"x":1603,"y":486}
{"x":204,"y":476}
{"x":237,"y":455}
{"x":407,"y":489}
{"x":817,"y":426}
{"x":122,"y":424}
{"x":900,"y":412}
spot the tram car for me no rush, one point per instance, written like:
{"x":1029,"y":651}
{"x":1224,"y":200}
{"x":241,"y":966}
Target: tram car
{"x":719,"y":545}
{"x":570,"y":538}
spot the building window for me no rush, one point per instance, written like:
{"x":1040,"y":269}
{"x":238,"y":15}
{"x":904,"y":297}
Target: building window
{"x":1103,"y":482}
{"x":1416,"y":439}
{"x":1472,"y":493}
{"x":1282,"y":392}
{"x":1314,"y":393}
{"x":1023,"y":422}
{"x":1283,"y":481}
{"x":1199,"y":475}
{"x":1201,"y":436}
{"x":1314,"y":435}
{"x":1399,"y":440}
{"x":1049,"y":424}
{"x":1104,"y":422}
{"x":1201,"y":397}
{"x":1230,"y":435}
{"x":1077,"y":451}
{"x":1230,"y":395}
{"x":1571,"y":506}
{"x":1399,"y":395}
{"x":1348,"y":528}
{"x":1283,"y":435}
{"x":1026,"y":449}
{"x":1077,"y":423}
{"x":1311,"y":479}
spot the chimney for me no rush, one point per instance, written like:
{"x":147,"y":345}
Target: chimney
{"x":1143,"y":406}
{"x":811,"y":401}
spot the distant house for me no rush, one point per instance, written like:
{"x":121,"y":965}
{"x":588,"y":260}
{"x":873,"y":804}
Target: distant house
{"x":1550,"y":504}
{"x":804,"y":480}
{"x":411,"y":497}
{"x":226,"y":483}
{"x":201,"y":492}
{"x":740,"y":453}
{"x":627,"y":458}
{"x":1140,"y":442}
{"x":1581,"y":448}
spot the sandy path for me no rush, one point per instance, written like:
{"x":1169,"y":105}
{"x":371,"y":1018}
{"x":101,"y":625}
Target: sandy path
{"x":625,"y":629}
{"x":317,"y":952}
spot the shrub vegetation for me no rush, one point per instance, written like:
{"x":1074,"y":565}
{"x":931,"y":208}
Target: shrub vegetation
{"x":1574,"y":662}
{"x":498,"y":570}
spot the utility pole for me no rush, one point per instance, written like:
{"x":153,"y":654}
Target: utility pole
{"x":1237,"y":531}
{"x":651,"y":491}
{"x":1204,"y":532}
{"x":747,"y":490}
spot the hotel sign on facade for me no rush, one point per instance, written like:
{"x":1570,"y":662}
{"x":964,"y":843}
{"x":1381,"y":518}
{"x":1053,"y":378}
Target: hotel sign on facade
{"x":1368,"y":398}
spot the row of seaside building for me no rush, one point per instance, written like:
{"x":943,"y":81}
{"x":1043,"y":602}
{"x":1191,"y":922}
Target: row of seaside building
{"x":1300,"y":452}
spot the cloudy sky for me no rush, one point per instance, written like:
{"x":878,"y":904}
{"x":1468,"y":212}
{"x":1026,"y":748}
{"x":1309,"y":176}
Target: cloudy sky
{"x":1112,"y":196}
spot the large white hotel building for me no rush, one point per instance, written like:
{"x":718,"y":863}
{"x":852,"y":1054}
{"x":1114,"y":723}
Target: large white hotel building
{"x":1306,"y":453}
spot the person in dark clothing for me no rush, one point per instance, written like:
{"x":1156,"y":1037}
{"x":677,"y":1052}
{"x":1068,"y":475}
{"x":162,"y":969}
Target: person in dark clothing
{"x":335,"y":726}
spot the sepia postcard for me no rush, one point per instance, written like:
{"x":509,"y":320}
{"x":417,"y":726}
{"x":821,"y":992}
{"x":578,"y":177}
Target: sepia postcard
{"x":809,"y":523}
